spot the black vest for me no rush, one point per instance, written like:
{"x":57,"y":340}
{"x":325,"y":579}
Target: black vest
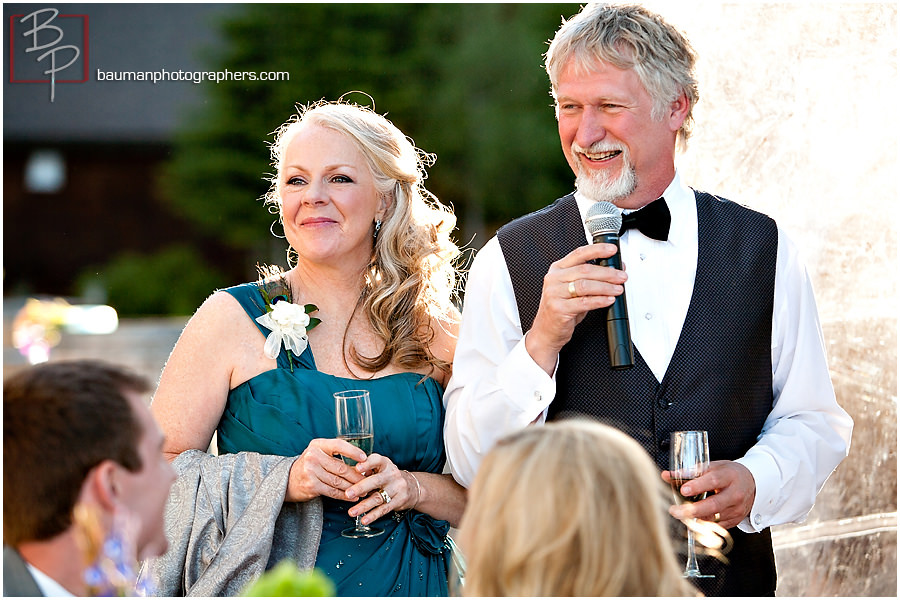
{"x":720,"y":375}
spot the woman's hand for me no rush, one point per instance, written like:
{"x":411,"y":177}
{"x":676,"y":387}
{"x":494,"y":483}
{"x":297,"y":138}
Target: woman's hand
{"x":319,"y":472}
{"x":400,"y":487}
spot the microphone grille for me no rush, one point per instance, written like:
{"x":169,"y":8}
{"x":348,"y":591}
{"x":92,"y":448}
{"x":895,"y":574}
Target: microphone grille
{"x":603,"y":217}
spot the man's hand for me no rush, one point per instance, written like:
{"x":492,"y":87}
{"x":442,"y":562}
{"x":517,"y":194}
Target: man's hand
{"x":735,"y":491}
{"x":572,"y":287}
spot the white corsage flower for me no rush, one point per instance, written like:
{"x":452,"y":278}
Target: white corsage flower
{"x":288,"y":323}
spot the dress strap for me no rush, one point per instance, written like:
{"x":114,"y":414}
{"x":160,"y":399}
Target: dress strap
{"x":251,"y":300}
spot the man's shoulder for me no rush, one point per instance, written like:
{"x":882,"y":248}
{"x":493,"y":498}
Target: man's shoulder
{"x":17,"y":581}
{"x":722,"y":205}
{"x":555,"y":210}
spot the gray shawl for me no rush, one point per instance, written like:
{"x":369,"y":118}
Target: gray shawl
{"x":226,"y":521}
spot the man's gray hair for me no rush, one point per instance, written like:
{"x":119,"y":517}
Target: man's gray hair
{"x":628,"y":36}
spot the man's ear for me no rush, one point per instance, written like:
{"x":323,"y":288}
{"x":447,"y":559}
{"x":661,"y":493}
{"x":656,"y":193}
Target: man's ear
{"x":100,"y":485}
{"x":678,"y":111}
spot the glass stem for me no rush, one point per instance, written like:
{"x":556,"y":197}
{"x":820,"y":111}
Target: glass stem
{"x":691,"y":569}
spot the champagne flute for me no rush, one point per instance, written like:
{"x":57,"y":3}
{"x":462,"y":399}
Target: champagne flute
{"x":689,"y":459}
{"x":456,"y":574}
{"x":353,"y":412}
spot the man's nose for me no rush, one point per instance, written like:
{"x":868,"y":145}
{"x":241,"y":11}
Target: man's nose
{"x":591,"y":128}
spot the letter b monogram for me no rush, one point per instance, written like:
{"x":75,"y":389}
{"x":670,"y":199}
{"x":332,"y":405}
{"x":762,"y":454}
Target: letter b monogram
{"x":46,"y":26}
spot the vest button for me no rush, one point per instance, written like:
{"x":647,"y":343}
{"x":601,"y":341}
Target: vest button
{"x":664,"y":443}
{"x":663,"y":402}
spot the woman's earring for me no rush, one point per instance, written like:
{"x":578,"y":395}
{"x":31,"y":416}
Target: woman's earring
{"x":377,"y":228}
{"x":272,"y":228}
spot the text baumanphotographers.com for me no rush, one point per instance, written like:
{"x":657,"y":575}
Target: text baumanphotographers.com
{"x":192,"y":76}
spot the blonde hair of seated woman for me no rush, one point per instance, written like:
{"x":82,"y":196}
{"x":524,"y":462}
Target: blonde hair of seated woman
{"x":571,"y":508}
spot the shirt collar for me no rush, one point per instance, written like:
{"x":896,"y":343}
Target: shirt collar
{"x":48,"y":586}
{"x":680,"y":200}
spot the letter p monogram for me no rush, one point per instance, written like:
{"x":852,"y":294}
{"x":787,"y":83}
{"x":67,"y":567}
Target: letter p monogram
{"x":51,"y":47}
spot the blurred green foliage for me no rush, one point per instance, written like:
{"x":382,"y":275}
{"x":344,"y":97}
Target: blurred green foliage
{"x":173,"y":281}
{"x":465,"y":81}
{"x":285,"y":579}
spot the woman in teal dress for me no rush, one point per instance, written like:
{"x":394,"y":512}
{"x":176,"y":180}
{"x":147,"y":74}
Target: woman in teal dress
{"x":367,"y":305}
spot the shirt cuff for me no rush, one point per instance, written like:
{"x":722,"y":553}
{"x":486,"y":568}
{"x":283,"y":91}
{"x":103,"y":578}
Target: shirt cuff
{"x":526,"y":384}
{"x":765,"y":502}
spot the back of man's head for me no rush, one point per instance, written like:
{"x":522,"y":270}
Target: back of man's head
{"x":60,"y":420}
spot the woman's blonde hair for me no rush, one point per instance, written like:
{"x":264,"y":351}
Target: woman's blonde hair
{"x":571,"y":508}
{"x":412,"y":279}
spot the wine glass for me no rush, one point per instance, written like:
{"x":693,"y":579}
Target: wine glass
{"x":689,"y":459}
{"x":456,"y":574}
{"x":353,"y":412}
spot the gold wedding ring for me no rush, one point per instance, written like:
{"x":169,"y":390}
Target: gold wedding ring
{"x":572,"y":292}
{"x":385,"y":496}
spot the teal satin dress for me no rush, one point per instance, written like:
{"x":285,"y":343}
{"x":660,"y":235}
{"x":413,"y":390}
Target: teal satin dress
{"x":282,"y":410}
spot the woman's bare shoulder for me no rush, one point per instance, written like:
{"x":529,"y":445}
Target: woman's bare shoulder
{"x":220,"y":323}
{"x":443,"y":345}
{"x":220,"y":307}
{"x":447,"y":325}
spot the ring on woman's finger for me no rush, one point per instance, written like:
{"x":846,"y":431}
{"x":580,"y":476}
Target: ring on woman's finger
{"x":385,"y":496}
{"x":572,"y":292}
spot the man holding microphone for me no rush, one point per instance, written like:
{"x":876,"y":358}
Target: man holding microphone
{"x":721,"y":311}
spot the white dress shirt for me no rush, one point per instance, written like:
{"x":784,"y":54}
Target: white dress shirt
{"x":48,"y":586}
{"x":497,"y":388}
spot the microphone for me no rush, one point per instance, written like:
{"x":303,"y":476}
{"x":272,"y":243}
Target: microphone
{"x":603,"y":220}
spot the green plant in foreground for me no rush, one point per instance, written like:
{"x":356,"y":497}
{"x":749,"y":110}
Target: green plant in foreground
{"x":286,"y":579}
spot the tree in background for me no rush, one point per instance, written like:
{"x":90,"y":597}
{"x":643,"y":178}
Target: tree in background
{"x":464,"y":80}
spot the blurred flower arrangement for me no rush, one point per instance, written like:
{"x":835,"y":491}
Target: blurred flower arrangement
{"x":109,"y":556}
{"x":39,"y":325}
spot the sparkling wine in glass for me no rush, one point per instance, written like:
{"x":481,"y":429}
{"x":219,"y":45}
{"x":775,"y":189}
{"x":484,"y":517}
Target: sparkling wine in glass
{"x":353,"y":412}
{"x":689,"y":459}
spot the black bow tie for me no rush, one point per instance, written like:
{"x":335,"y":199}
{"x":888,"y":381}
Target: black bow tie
{"x":652,"y":220}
